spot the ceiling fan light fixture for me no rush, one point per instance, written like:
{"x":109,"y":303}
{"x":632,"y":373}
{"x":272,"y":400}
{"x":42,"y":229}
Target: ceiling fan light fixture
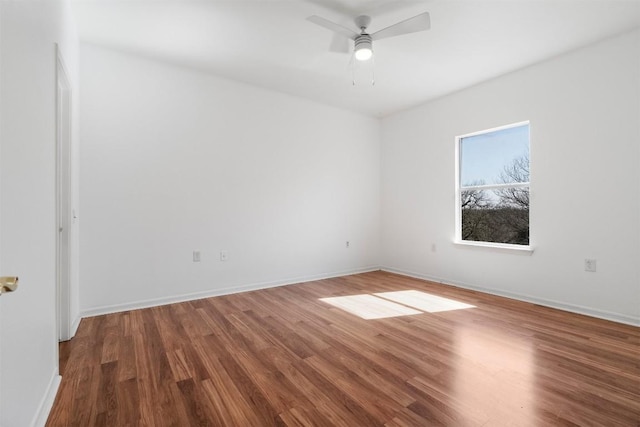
{"x":363,"y":47}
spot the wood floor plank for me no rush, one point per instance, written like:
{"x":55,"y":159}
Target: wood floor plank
{"x":285,"y":357}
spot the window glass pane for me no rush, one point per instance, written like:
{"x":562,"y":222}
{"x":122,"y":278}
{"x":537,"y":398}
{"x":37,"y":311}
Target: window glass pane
{"x":499,"y":157}
{"x":498,"y":216}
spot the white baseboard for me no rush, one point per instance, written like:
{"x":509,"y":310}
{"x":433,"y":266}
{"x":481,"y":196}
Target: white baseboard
{"x":96,"y":311}
{"x":587,"y":311}
{"x":46,"y":403}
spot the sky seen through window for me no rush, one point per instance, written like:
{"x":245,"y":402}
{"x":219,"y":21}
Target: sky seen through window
{"x":483,"y":157}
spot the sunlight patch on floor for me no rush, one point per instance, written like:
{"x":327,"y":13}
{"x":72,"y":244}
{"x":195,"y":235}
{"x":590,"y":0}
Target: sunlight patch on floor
{"x":393,"y":304}
{"x":370,"y":307}
{"x":424,"y":301}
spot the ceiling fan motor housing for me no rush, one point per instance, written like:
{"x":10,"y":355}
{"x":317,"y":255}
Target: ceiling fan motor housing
{"x":363,"y":41}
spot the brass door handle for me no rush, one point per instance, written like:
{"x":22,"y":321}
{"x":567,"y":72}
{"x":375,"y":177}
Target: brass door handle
{"x":8,"y":284}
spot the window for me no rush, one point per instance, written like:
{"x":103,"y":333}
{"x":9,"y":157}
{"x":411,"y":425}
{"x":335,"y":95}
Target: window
{"x":492,"y":187}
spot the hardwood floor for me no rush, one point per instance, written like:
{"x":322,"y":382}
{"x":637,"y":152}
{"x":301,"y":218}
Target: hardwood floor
{"x":284,"y":357}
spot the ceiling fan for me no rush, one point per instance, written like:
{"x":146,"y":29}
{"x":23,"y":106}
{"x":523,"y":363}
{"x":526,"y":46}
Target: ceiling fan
{"x":363,"y":41}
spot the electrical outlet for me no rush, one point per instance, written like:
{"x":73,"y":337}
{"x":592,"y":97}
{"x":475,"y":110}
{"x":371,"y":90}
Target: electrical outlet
{"x":224,"y":255}
{"x":196,"y":256}
{"x":590,"y":265}
{"x":433,"y":247}
{"x":347,"y":244}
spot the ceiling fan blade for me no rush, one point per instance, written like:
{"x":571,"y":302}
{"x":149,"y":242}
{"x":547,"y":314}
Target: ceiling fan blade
{"x":420,"y":22}
{"x":336,"y":28}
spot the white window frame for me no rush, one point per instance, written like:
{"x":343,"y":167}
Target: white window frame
{"x":458,"y":190}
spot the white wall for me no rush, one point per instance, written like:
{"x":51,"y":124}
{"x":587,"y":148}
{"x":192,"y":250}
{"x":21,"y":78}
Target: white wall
{"x":174,"y":160}
{"x":584,"y":109}
{"x":29,"y":368}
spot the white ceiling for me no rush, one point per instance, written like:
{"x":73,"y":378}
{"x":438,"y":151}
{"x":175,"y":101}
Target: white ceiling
{"x":269,"y":43}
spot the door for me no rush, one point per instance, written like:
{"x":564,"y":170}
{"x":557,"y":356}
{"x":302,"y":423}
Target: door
{"x":63,"y":196}
{"x":28,"y":228}
{"x":0,"y":227}
{"x":0,"y":296}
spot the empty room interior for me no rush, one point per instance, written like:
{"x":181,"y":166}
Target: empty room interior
{"x":319,"y":213}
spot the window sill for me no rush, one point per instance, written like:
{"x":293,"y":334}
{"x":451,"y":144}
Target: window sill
{"x":500,"y":247}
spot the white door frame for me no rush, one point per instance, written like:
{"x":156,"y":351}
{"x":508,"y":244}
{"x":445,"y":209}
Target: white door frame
{"x":63,"y":199}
